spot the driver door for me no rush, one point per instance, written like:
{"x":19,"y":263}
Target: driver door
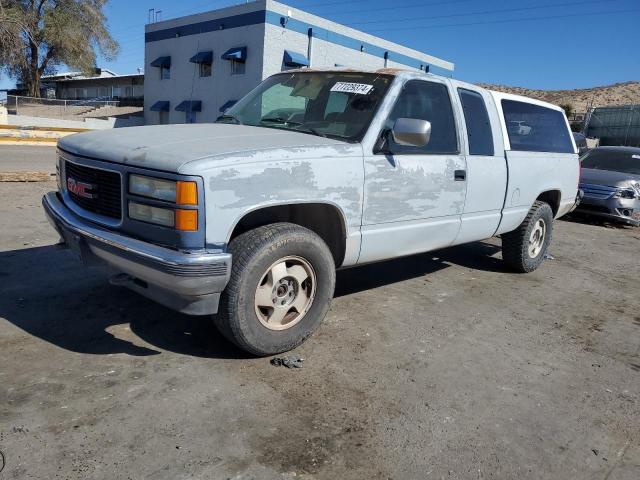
{"x":414,"y":196}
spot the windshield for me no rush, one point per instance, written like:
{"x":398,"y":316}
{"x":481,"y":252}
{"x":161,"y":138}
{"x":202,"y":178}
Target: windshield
{"x":614,"y":161}
{"x":338,"y":105}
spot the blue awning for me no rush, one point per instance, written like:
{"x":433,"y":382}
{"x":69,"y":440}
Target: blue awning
{"x":161,"y":106}
{"x":190,"y":106}
{"x":162,"y":62}
{"x":202,"y":57}
{"x":238,"y":54}
{"x":295,"y":59}
{"x":227,"y":105}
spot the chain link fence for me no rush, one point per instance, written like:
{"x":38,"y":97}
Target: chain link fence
{"x":619,"y":125}
{"x":51,"y":108}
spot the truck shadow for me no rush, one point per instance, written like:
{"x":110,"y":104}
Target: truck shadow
{"x":477,"y":256}
{"x":45,"y":292}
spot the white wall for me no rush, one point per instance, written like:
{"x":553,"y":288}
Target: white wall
{"x":185,"y":83}
{"x":265,"y":44}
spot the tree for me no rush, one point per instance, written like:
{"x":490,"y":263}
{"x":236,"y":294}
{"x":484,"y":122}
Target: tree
{"x":568,"y":109}
{"x":36,"y":36}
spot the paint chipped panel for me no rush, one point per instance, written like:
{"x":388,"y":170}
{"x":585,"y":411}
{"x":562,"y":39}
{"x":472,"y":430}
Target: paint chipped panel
{"x":411,"y":187}
{"x":239,"y":184}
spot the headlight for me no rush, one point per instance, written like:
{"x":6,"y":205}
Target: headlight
{"x":180,"y":192}
{"x":147,"y":213}
{"x":626,"y":193}
{"x":184,"y":220}
{"x":153,"y":187}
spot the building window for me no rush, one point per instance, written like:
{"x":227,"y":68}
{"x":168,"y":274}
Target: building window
{"x":190,"y":108}
{"x":237,"y":67}
{"x":163,"y":117}
{"x":190,"y":116}
{"x":205,"y":69}
{"x":165,"y":73}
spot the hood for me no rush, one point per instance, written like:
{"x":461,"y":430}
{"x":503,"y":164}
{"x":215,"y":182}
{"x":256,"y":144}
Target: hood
{"x":610,"y":179}
{"x":168,"y":147}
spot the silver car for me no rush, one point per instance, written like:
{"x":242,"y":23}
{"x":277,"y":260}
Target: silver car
{"x":611,"y":184}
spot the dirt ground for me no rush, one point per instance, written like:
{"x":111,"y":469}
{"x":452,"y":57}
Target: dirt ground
{"x":441,"y":365}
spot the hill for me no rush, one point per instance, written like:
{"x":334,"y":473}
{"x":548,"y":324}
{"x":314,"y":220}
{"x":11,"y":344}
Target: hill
{"x":617,"y":94}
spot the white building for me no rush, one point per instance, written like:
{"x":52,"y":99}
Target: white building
{"x":198,"y":65}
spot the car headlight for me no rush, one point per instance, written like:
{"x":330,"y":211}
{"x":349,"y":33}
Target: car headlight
{"x":151,"y":187}
{"x":180,"y":192}
{"x":177,"y":192}
{"x":626,"y":193}
{"x":147,"y":213}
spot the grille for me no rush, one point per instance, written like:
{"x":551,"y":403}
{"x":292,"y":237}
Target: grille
{"x":597,"y":191}
{"x":106,"y":199}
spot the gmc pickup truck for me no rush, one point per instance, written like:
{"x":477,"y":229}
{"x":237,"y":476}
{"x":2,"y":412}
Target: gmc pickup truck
{"x":248,"y":218}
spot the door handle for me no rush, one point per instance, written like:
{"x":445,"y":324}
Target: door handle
{"x":460,"y":175}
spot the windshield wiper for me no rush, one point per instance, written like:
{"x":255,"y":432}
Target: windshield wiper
{"x":279,"y":120}
{"x":298,"y":126}
{"x":222,"y":118}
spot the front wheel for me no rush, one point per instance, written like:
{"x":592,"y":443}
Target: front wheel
{"x":281,"y":286}
{"x":524,"y":248}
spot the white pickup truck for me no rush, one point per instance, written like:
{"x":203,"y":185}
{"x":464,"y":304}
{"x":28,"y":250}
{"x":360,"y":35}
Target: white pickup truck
{"x":248,"y":218}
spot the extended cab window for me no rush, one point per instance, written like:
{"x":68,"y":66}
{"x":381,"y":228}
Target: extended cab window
{"x":426,"y":101}
{"x":533,"y":128}
{"x":477,"y":121}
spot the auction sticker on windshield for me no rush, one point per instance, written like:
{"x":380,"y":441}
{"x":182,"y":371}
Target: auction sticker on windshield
{"x":348,"y":87}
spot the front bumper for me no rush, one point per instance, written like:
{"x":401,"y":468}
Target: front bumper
{"x":187,"y":282}
{"x":611,"y":208}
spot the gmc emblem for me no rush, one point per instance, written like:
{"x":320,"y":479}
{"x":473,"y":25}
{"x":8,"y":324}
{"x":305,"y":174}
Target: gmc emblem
{"x":80,"y":189}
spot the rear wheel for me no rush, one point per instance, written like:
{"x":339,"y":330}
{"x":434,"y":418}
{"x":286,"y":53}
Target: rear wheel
{"x":524,"y":248}
{"x":281,"y":286}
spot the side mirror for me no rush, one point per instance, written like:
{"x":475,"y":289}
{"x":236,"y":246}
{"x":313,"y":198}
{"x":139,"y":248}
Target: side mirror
{"x":411,"y":132}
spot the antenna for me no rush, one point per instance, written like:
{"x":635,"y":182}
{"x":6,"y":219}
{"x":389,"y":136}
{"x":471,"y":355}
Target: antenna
{"x":158,"y":15}
{"x":151,"y":15}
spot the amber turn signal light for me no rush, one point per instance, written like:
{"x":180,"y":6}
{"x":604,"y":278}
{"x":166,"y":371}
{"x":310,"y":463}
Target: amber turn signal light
{"x":187,"y":193}
{"x":187,"y":220}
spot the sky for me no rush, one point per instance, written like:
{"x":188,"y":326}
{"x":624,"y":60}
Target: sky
{"x":547,"y":44}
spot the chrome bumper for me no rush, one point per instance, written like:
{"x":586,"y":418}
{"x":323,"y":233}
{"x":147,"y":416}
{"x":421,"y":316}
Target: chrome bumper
{"x":187,"y":282}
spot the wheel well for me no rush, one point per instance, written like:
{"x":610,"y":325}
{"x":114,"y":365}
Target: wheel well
{"x":323,"y":219}
{"x":552,"y":197}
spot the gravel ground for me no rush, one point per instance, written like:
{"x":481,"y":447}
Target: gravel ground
{"x":441,"y":365}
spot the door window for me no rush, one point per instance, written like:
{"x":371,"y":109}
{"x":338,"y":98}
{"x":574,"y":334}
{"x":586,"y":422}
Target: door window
{"x":477,"y":121}
{"x":426,"y":101}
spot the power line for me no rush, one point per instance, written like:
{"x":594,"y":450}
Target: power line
{"x":395,"y":7}
{"x":421,"y":4}
{"x":425,"y":27}
{"x":486,"y":12}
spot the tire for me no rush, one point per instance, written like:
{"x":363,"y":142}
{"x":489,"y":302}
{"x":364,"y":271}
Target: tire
{"x":518,"y":250}
{"x":257,"y":258}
